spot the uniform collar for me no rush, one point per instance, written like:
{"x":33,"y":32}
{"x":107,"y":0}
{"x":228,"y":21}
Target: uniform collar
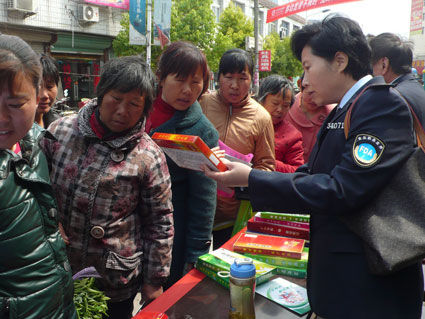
{"x":350,"y":93}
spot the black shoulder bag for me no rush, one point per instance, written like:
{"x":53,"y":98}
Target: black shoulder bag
{"x":392,"y":227}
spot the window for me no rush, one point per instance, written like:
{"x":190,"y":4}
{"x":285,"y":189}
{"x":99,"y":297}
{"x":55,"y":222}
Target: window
{"x":240,"y":5}
{"x":272,"y":27}
{"x":216,"y":11}
{"x":261,"y":23}
{"x":284,"y":29}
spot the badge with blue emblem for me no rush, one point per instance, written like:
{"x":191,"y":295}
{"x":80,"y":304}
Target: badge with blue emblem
{"x":367,"y":150}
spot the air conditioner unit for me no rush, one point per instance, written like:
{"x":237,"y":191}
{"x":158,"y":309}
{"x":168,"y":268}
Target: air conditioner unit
{"x":24,"y":6}
{"x":88,"y":13}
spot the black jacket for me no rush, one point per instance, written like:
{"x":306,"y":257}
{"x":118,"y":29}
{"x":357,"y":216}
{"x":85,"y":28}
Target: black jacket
{"x":338,"y":181}
{"x":414,"y":93}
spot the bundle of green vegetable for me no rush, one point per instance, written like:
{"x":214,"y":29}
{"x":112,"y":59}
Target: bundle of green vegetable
{"x":89,"y":301}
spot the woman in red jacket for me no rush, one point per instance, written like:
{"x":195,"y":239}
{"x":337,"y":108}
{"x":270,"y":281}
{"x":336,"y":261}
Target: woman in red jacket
{"x":276,"y":94}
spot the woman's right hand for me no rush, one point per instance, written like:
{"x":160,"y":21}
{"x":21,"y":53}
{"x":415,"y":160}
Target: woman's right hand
{"x":63,"y":234}
{"x":236,"y":175}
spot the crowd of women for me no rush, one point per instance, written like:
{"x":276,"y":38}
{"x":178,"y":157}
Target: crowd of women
{"x":93,"y":189}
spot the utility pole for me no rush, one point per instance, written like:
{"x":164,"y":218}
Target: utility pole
{"x":149,"y":34}
{"x":256,"y":74}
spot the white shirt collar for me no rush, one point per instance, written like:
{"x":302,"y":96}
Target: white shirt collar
{"x":354,"y":89}
{"x":392,"y":82}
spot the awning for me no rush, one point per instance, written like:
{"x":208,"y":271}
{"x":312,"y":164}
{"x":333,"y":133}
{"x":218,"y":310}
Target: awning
{"x":81,"y":44}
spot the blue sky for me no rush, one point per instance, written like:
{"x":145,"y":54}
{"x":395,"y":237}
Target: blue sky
{"x":374,"y":16}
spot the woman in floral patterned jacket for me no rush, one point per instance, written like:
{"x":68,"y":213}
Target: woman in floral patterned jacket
{"x":113,"y":187}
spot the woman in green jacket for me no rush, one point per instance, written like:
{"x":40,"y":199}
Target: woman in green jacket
{"x":35,"y":277}
{"x":183,"y":76}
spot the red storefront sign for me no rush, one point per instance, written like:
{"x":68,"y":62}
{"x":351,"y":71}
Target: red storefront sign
{"x":299,"y":6}
{"x":66,"y":77}
{"x":96,"y":71}
{"x":264,"y":60}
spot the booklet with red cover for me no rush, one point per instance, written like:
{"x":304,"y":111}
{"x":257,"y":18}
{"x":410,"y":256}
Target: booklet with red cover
{"x":188,"y":151}
{"x":269,"y":245}
{"x":277,"y":229}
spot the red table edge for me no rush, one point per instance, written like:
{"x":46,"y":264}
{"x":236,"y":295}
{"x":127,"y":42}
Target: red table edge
{"x":184,"y":285}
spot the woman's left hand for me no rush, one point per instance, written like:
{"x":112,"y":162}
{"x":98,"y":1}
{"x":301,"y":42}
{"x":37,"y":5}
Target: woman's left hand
{"x":150,"y":292}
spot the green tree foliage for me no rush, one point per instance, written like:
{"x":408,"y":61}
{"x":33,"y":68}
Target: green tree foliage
{"x":121,"y":43}
{"x":233,"y":27}
{"x":122,"y":47}
{"x":191,"y":20}
{"x":194,"y":21}
{"x":283,"y":61}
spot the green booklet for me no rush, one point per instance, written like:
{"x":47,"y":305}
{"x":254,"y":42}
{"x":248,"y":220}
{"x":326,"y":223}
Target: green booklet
{"x":216,"y":265}
{"x":282,"y":261}
{"x":286,"y":294}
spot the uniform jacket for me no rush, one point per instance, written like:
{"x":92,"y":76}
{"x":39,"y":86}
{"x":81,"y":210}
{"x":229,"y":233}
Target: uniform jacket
{"x":123,"y":187}
{"x":413,"y":92}
{"x":307,"y":127}
{"x":35,"y":276}
{"x":333,"y":184}
{"x":246,"y":129}
{"x":288,"y":147}
{"x":194,"y":194}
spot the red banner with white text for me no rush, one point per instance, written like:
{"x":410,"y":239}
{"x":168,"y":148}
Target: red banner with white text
{"x":299,"y":6}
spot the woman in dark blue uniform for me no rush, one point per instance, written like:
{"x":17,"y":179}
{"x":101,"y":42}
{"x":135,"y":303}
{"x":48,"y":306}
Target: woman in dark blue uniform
{"x":342,"y":175}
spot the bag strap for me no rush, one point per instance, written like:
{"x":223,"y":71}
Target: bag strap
{"x":347,"y":119}
{"x":419,"y":131}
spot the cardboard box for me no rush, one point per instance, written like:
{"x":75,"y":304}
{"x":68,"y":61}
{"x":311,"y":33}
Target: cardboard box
{"x":188,"y":151}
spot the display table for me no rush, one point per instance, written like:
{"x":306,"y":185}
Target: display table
{"x":197,"y":296}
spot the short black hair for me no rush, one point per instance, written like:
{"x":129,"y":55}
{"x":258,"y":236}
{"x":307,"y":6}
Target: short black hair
{"x":235,"y":61}
{"x":125,"y":74}
{"x":335,"y":34}
{"x":398,"y":52}
{"x":50,"y":68}
{"x":274,"y":84}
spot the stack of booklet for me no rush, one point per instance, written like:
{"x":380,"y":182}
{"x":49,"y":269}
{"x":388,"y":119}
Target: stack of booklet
{"x":267,"y":230}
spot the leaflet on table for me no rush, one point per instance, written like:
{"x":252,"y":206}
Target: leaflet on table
{"x":188,"y":151}
{"x":285,"y":293}
{"x":220,"y":260}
